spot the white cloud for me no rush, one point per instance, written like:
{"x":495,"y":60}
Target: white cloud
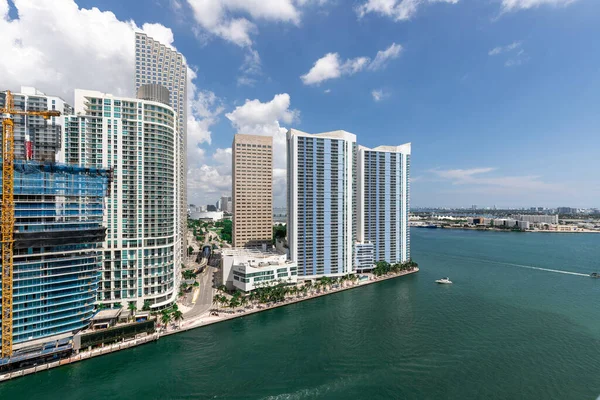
{"x":514,"y":50}
{"x":505,"y":49}
{"x":513,"y":62}
{"x":514,"y":5}
{"x":399,"y":10}
{"x":379,"y":94}
{"x":257,"y":118}
{"x":326,"y":67}
{"x":330,"y":65}
{"x":383,"y":56}
{"x":222,"y":17}
{"x":204,"y":108}
{"x":160,"y":32}
{"x":57,"y":47}
{"x":474,"y":177}
{"x":250,"y":67}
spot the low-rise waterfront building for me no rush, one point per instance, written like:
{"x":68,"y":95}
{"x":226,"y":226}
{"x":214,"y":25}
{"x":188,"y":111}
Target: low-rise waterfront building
{"x":248,"y":268}
{"x":538,"y":219}
{"x":364,"y":256}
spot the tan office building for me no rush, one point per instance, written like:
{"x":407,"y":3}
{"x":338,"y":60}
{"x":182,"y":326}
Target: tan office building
{"x":252,"y":190}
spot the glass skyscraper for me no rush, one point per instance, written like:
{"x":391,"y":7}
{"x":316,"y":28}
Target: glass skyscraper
{"x":383,"y":201}
{"x":138,"y":139}
{"x":157,"y":63}
{"x":321,"y":202}
{"x":57,"y":249}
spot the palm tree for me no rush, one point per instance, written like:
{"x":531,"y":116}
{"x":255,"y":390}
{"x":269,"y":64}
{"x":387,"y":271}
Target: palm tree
{"x":165,"y":318}
{"x":244,"y":301}
{"x":234,"y":303}
{"x":222,"y":288}
{"x":217,"y":300}
{"x":146,"y":306}
{"x":178,"y":317}
{"x":133,"y":308}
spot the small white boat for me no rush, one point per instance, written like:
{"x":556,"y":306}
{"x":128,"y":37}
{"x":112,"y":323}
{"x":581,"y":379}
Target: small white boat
{"x":444,"y":281}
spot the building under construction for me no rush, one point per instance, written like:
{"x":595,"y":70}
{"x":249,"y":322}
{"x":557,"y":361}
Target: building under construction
{"x":56,"y":259}
{"x":35,"y":137}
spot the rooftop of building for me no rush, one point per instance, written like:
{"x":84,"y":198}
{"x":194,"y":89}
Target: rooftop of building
{"x":339,"y":134}
{"x":82,"y":96}
{"x":255,"y":258}
{"x":403,"y":148}
{"x":109,"y":313}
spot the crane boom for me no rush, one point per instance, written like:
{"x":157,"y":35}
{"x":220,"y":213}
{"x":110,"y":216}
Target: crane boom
{"x":8,"y":214}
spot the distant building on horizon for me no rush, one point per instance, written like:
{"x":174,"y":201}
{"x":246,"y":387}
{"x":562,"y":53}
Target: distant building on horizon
{"x":252,"y":190}
{"x":566,"y":210}
{"x":538,"y":219}
{"x":226,"y":204}
{"x":321,"y":195}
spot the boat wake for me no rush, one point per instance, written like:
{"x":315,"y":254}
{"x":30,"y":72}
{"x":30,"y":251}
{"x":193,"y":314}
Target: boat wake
{"x":557,"y":271}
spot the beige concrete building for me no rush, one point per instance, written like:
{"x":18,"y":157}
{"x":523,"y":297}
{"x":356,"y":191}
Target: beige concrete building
{"x":252,"y":190}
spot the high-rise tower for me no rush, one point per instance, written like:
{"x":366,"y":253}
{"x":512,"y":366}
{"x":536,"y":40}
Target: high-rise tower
{"x":383,"y":201}
{"x":156,"y":63}
{"x":252,"y":190}
{"x":321,"y":202}
{"x":138,"y":139}
{"x":36,"y":138}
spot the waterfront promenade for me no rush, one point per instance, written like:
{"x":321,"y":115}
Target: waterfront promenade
{"x":196,"y":322}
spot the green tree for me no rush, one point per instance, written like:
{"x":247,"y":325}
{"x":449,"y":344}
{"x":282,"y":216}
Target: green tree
{"x":190,"y":250}
{"x":132,"y":308}
{"x":146,"y":306}
{"x":117,"y":305}
{"x":279,"y":232}
{"x":178,"y":317}
{"x":234,"y":302}
{"x":217,"y":300}
{"x":165,"y":317}
{"x":227,"y":230}
{"x":222,"y":288}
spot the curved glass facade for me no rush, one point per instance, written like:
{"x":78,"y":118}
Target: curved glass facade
{"x":138,"y":140}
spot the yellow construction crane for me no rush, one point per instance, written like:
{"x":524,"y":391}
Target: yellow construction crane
{"x":8,"y":213}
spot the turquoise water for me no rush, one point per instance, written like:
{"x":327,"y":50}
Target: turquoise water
{"x":502,"y":331}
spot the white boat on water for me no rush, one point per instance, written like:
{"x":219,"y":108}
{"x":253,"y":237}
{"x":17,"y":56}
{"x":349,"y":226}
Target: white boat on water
{"x":444,"y":281}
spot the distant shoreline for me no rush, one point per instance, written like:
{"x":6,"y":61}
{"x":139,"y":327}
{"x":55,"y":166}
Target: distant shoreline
{"x":503,"y":230}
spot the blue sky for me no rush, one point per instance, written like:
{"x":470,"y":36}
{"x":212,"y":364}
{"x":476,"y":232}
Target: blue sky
{"x":498,"y":97}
